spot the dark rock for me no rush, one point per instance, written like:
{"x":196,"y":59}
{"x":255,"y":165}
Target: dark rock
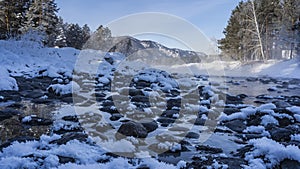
{"x":42,"y":101}
{"x":32,"y":94}
{"x":251,"y":79}
{"x":174,"y":92}
{"x":254,"y":120}
{"x":232,"y":163}
{"x":102,"y":95}
{"x":108,"y":59}
{"x":249,"y":136}
{"x":242,"y":151}
{"x":230,"y":99}
{"x":265,"y":81}
{"x":242,"y":96}
{"x":132,"y":129}
{"x":8,"y":113}
{"x":263,"y":96}
{"x":135,"y":92}
{"x":68,"y":129}
{"x":142,"y":84}
{"x":283,"y":122}
{"x":289,"y":164}
{"x":110,"y":109}
{"x":64,"y":160}
{"x":169,"y":113}
{"x":173,"y":103}
{"x":272,"y":89}
{"x":11,"y":95}
{"x":115,"y":117}
{"x":209,"y":149}
{"x":229,"y":111}
{"x":16,"y":106}
{"x":71,"y":118}
{"x":72,"y":99}
{"x":281,"y":134}
{"x":36,"y":121}
{"x":150,"y":126}
{"x":259,"y":102}
{"x":281,"y":104}
{"x":199,"y":122}
{"x":70,"y":136}
{"x":139,"y":98}
{"x":236,"y":125}
{"x":143,"y":166}
{"x":192,"y":135}
{"x":165,"y":120}
{"x":107,"y":103}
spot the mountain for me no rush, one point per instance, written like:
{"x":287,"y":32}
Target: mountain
{"x":133,"y":47}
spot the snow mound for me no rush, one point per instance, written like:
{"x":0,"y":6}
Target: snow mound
{"x":7,"y":82}
{"x":61,"y":89}
{"x":272,"y":151}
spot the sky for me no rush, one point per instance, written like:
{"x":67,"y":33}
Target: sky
{"x":209,"y":16}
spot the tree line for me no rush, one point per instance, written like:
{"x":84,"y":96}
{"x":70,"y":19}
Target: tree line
{"x":262,"y":30}
{"x":21,"y":17}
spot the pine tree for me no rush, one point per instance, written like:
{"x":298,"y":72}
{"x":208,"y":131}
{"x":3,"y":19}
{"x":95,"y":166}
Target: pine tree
{"x":42,"y":16}
{"x":289,"y":33}
{"x":73,"y":36}
{"x":86,"y":33}
{"x":12,"y":15}
{"x":231,"y":44}
{"x":61,"y":39}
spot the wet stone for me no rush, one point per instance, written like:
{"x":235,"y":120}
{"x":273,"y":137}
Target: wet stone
{"x":132,"y":129}
{"x":281,"y":134}
{"x":135,"y":92}
{"x":115,"y":117}
{"x":170,"y":113}
{"x":71,"y":118}
{"x":236,"y":125}
{"x":251,"y":79}
{"x":209,"y":149}
{"x":64,"y":160}
{"x":192,"y":135}
{"x":289,"y":164}
{"x":36,"y":121}
{"x":150,"y":126}
{"x":166,"y":120}
{"x":139,"y":98}
{"x":173,"y":103}
{"x":70,"y":136}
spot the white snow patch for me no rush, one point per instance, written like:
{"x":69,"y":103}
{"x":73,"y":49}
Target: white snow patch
{"x":295,"y":137}
{"x":273,"y":152}
{"x":61,"y":89}
{"x":294,"y":109}
{"x":267,"y":119}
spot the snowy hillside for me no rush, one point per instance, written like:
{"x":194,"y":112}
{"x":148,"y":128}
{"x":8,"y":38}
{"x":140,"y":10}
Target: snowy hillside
{"x":19,"y":58}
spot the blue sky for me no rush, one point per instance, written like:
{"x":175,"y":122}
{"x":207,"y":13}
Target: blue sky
{"x":210,"y":16}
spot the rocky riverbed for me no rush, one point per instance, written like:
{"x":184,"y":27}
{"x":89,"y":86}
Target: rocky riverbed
{"x":209,"y":122}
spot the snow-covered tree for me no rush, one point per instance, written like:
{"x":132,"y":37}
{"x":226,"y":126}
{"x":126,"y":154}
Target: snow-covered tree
{"x":61,"y":39}
{"x":41,"y":16}
{"x":12,"y":15}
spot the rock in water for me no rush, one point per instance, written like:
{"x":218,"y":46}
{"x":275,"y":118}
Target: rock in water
{"x":132,"y":129}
